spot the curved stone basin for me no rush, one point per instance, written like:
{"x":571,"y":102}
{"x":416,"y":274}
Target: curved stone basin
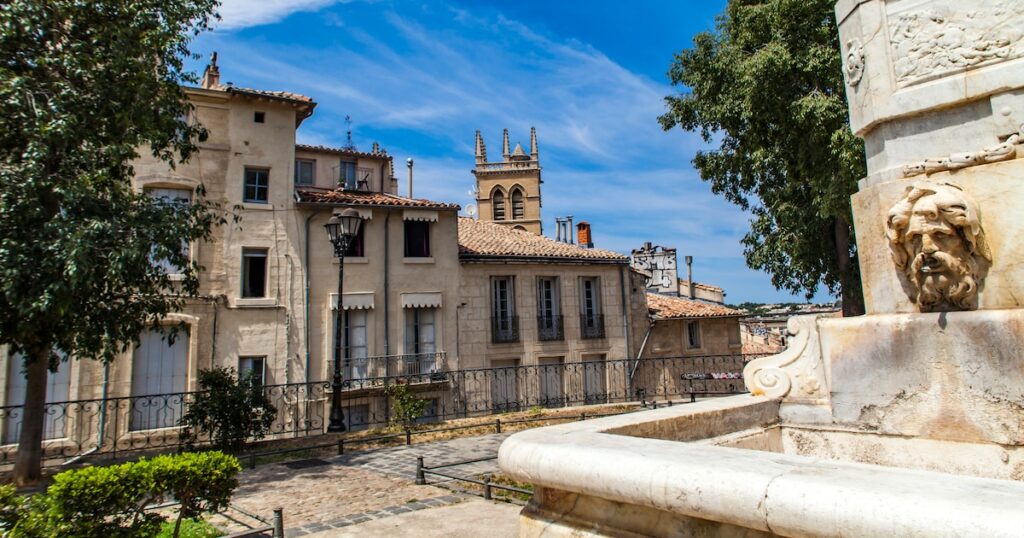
{"x":676,"y":471}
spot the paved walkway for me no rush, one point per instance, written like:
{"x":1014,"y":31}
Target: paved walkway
{"x":469,"y":519}
{"x":321,"y":495}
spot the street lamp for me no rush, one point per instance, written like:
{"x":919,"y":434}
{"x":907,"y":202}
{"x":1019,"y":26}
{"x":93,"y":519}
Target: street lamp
{"x":341,"y":229}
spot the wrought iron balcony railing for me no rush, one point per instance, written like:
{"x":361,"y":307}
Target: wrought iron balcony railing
{"x":505,"y":329}
{"x":360,"y":368}
{"x":550,"y":328}
{"x":592,"y":326}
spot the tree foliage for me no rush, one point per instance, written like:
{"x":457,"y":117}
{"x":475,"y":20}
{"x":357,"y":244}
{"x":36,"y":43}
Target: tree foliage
{"x":766,"y":87}
{"x":228,"y":410}
{"x":406,"y":408}
{"x":84,"y":86}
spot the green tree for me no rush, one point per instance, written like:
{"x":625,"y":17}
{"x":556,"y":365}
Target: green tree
{"x":766,"y":87}
{"x":406,"y":408}
{"x":228,"y":410}
{"x":84,"y":86}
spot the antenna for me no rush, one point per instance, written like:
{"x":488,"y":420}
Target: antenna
{"x":348,"y":134}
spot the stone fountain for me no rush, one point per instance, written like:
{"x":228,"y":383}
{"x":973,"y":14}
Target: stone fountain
{"x":908,"y":421}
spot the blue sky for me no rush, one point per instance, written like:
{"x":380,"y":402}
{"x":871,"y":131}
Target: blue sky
{"x":422,"y":77}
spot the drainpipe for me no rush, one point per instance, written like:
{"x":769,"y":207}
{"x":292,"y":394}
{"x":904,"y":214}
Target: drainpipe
{"x":305,"y":272}
{"x":625,"y":309}
{"x":387,"y":332}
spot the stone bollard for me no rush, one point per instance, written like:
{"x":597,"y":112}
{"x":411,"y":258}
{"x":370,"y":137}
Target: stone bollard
{"x":421,"y":479}
{"x":278,"y":523}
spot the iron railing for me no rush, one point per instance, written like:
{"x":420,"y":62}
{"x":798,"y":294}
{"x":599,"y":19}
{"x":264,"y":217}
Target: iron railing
{"x":125,"y":426}
{"x":504,"y":329}
{"x":550,"y":328}
{"x":592,"y":326}
{"x":362,"y":368}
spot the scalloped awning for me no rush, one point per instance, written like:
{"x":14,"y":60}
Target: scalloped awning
{"x":421,"y":300}
{"x":361,"y":300}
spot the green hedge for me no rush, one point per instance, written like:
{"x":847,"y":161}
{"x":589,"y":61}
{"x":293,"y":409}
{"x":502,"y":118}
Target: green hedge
{"x":97,"y":502}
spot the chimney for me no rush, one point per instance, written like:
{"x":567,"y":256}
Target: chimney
{"x":568,"y":230}
{"x":583,"y":234}
{"x":689,"y":275}
{"x":408,"y":162}
{"x":211,"y":75}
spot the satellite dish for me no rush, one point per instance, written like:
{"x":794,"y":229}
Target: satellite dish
{"x":471,"y":210}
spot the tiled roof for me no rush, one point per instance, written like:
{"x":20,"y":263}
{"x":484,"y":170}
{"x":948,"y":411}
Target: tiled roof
{"x":315,"y":195}
{"x":478,"y":239}
{"x":686,"y":283}
{"x":667,"y":307}
{"x":286,"y":96}
{"x":342,"y":151}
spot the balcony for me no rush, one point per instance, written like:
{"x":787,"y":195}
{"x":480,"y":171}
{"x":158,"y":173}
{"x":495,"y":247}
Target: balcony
{"x":505,"y":329}
{"x":356,"y":370}
{"x":592,"y":326}
{"x":550,"y":328}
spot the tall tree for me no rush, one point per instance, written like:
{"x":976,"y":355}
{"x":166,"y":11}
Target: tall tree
{"x":84,"y":86}
{"x":766,"y":87}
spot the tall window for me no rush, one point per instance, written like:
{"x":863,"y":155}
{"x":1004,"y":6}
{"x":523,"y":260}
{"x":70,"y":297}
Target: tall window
{"x":504,"y":325}
{"x":254,"y":272}
{"x":170,"y":197}
{"x":354,"y":333}
{"x":159,"y":374}
{"x":305,"y":171}
{"x":420,"y":339}
{"x":255,"y":366}
{"x":591,"y":320}
{"x":518,"y":210}
{"x":693,"y":335}
{"x":57,"y":390}
{"x":549,"y":317}
{"x":498,"y":205}
{"x":257,"y":185}
{"x":355,"y":248}
{"x":347,"y":175}
{"x":417,"y":239}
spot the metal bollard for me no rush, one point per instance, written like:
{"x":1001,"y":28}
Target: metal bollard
{"x":497,"y":425}
{"x":341,"y":446}
{"x":252,"y":460}
{"x":654,"y":405}
{"x":487,"y":487}
{"x":583,"y":416}
{"x":670,"y":403}
{"x":421,"y":479}
{"x":408,"y":437}
{"x":693,"y":397}
{"x":278,"y":523}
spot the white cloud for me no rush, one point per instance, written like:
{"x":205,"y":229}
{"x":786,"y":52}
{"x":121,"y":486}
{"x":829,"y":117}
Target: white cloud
{"x":243,"y":13}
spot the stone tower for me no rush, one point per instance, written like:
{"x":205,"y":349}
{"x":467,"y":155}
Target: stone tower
{"x":508,"y":191}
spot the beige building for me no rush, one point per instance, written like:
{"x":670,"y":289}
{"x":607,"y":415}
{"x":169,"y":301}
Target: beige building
{"x":508,"y":191}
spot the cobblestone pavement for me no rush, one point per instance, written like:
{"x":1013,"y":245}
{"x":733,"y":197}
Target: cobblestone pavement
{"x":356,"y":487}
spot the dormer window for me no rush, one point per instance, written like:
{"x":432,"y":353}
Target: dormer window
{"x":259,"y":117}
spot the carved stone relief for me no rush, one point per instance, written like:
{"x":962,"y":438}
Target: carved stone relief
{"x":936,"y":239}
{"x":946,"y":38}
{"x":796,"y":374}
{"x":854,"y":62}
{"x":1000,"y":152}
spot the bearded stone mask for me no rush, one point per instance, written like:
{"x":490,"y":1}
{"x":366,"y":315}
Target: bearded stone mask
{"x":937,"y":241}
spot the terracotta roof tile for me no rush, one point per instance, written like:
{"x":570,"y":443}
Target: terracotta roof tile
{"x":342,"y":151}
{"x":489,"y":240}
{"x":667,"y":307}
{"x":316,"y":195}
{"x":287,"y":96}
{"x":686,"y":283}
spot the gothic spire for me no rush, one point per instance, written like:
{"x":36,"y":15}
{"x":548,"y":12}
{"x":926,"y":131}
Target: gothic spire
{"x":481,"y":149}
{"x":533,"y":143}
{"x":504,"y":146}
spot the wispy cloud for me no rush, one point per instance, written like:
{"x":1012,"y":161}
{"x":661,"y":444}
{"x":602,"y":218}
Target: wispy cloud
{"x":423,"y":78}
{"x":243,"y":13}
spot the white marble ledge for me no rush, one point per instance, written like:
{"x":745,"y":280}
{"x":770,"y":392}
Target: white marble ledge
{"x":783,"y":494}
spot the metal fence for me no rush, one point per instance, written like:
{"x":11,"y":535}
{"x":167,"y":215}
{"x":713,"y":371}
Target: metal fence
{"x":120,"y":427}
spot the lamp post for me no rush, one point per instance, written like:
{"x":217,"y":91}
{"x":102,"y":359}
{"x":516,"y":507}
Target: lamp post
{"x":341,"y":229}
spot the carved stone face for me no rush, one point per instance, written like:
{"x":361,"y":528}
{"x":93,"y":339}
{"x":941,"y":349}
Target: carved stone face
{"x":936,"y":239}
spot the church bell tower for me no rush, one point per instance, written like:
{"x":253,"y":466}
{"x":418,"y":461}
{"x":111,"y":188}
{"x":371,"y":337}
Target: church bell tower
{"x":508,"y":191}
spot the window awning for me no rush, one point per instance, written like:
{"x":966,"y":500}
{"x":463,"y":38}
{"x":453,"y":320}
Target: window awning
{"x":361,"y":300}
{"x":366,"y":214}
{"x":430,"y":299}
{"x":419,"y":214}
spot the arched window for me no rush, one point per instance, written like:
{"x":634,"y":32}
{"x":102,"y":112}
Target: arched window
{"x":518,"y":211}
{"x":498,"y":205}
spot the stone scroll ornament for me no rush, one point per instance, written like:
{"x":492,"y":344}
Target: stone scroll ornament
{"x":854,"y":62}
{"x":796,"y":374}
{"x":938,"y":243}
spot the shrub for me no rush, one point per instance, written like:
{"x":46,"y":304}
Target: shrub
{"x":227,"y":410}
{"x":101,"y":502}
{"x":407,"y":408}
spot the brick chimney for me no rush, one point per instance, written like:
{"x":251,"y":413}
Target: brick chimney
{"x":583,"y":235}
{"x":211,"y":75}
